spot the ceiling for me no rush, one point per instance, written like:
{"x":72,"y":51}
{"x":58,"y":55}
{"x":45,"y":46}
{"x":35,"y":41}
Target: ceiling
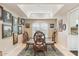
{"x":39,"y":10}
{"x":66,"y":8}
{"x":14,"y":8}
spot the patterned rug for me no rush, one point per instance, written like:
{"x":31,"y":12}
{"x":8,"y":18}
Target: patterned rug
{"x":50,"y":52}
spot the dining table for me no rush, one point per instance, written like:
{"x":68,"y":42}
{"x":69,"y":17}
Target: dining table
{"x":48,"y":42}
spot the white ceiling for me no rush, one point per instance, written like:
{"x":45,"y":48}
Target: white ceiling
{"x":40,"y":10}
{"x":66,"y":8}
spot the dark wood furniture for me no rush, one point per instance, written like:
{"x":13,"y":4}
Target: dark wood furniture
{"x":25,"y":37}
{"x":39,"y":42}
{"x":0,"y":53}
{"x":54,"y":40}
{"x":54,"y":36}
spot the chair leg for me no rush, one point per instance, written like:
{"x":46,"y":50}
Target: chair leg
{"x":27,"y":46}
{"x":53,"y":47}
{"x":34,"y":53}
{"x":44,"y":53}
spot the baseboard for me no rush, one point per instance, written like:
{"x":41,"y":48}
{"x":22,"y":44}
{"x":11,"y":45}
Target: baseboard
{"x":63,"y":50}
{"x":16,"y":51}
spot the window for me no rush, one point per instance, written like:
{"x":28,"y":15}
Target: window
{"x":40,"y":27}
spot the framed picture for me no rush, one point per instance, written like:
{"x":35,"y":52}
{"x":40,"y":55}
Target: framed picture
{"x":14,"y":24}
{"x":7,"y":17}
{"x":1,"y":12}
{"x":19,"y":29}
{"x":51,"y":25}
{"x":22,"y":21}
{"x":6,"y":31}
{"x":27,"y":25}
{"x":19,"y":21}
{"x":74,"y":31}
{"x":15,"y":38}
{"x":64,"y":26}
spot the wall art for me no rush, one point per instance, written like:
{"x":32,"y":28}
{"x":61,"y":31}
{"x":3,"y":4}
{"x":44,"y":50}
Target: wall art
{"x":1,"y":12}
{"x":15,"y":38}
{"x":6,"y":30}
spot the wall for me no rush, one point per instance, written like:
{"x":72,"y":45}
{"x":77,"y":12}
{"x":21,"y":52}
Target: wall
{"x":73,"y":16}
{"x":63,"y":36}
{"x":6,"y":44}
{"x":70,"y":42}
{"x":48,"y":21}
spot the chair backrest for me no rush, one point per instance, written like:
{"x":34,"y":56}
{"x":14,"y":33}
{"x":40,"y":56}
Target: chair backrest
{"x":39,"y":37}
{"x":54,"y":36}
{"x":25,"y":37}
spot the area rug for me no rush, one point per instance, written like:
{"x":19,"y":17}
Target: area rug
{"x":75,"y":53}
{"x":50,"y":52}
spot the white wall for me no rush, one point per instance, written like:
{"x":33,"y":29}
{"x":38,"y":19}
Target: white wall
{"x":65,"y":38}
{"x":6,"y":44}
{"x":73,"y":39}
{"x":48,"y":21}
